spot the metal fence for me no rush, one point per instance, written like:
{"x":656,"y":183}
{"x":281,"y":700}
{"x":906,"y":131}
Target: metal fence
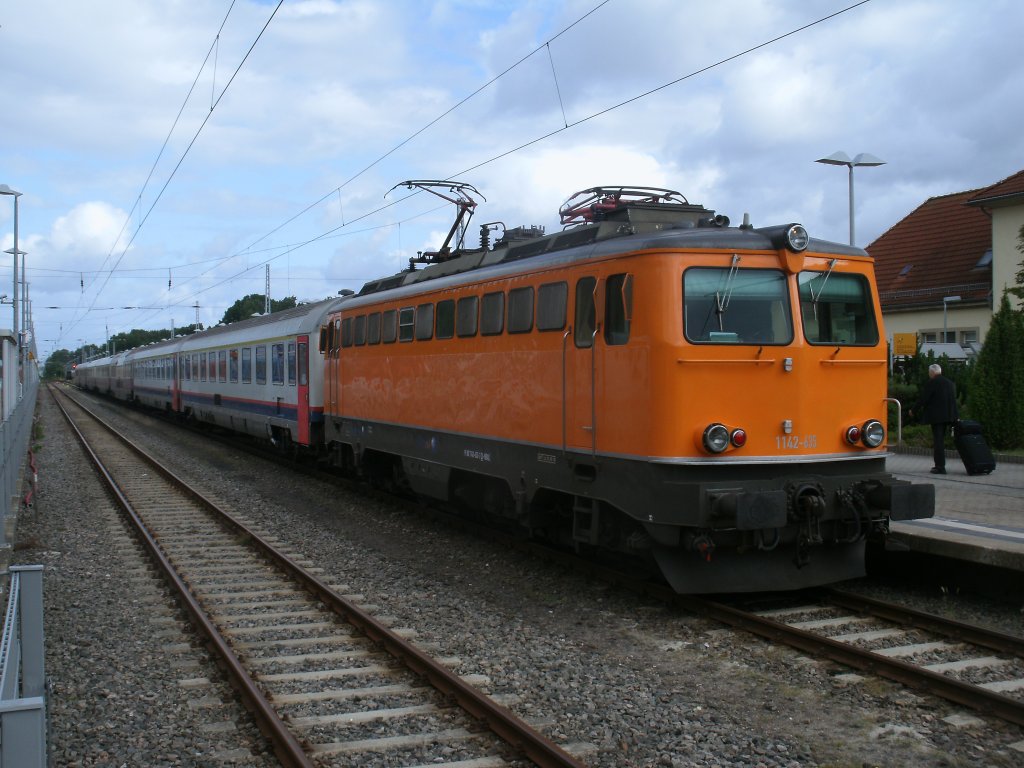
{"x":15,"y":433}
{"x":22,"y":677}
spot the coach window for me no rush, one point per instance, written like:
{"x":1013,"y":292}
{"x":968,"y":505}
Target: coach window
{"x":222,"y":365}
{"x":424,"y":322}
{"x":836,"y":308}
{"x":586,"y":317}
{"x":291,"y":363}
{"x":246,"y":365}
{"x":520,"y":310}
{"x":202,"y":366}
{"x":406,"y":318}
{"x":465,"y":316}
{"x":618,"y":308}
{"x":346,"y":332}
{"x":233,"y":365}
{"x":261,"y":364}
{"x":736,"y":306}
{"x":373,"y":328}
{"x":445,"y":319}
{"x":277,"y":363}
{"x":359,"y":331}
{"x":492,"y":314}
{"x":551,"y":302}
{"x":389,"y":326}
{"x":303,"y":364}
{"x":213,"y":366}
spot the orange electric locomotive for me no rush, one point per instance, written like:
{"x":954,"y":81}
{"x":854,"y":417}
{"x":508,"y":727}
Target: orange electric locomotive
{"x":649,"y":380}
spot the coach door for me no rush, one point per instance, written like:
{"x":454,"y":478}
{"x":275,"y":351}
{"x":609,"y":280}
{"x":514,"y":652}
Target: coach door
{"x":580,"y":369}
{"x":175,"y":382}
{"x":302,"y":382}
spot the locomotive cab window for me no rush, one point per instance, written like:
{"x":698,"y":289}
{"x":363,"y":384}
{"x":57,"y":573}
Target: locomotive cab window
{"x":586,"y":314}
{"x":346,"y":332}
{"x":618,"y":308}
{"x":736,"y":306}
{"x":836,"y":308}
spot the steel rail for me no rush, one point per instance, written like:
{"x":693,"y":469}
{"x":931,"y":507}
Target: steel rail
{"x":983,"y":700}
{"x":287,"y":748}
{"x":955,"y":630}
{"x":500,"y":720}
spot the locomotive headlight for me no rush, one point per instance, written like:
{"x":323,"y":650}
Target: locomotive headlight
{"x":853,"y":435}
{"x":873,"y":433}
{"x":738,"y":438}
{"x":797,"y":238}
{"x":716,"y":438}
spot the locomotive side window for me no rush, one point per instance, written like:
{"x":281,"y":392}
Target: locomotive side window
{"x":233,"y":365}
{"x":246,"y":365}
{"x":346,"y":332}
{"x":586,"y":316}
{"x":261,"y":364}
{"x":359,"y":330}
{"x":736,"y":306}
{"x":492,"y":314}
{"x":277,"y":363}
{"x":465,"y":316}
{"x":389,"y":326}
{"x":424,"y":322}
{"x":836,"y":308}
{"x":290,"y":359}
{"x":373,"y":328}
{"x":336,"y":337}
{"x":551,"y":303}
{"x":618,"y":308}
{"x":520,"y":310}
{"x":445,"y":319}
{"x":405,"y":323}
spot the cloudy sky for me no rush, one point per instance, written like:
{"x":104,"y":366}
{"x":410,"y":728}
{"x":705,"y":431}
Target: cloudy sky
{"x":296,"y":120}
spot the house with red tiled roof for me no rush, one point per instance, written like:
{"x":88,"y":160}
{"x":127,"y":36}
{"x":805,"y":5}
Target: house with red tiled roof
{"x":941,"y":269}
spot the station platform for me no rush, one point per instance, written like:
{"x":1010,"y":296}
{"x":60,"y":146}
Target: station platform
{"x":978,"y":518}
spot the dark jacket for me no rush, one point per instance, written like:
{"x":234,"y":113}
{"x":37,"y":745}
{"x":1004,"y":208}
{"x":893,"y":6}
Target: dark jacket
{"x":938,"y":402}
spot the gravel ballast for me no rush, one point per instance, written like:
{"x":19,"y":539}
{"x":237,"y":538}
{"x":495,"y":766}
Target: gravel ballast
{"x":628,"y":682}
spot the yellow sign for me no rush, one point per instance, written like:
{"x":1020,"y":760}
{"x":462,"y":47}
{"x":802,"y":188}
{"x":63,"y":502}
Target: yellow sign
{"x":904,"y":343}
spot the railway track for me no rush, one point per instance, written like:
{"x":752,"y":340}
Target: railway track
{"x":327,"y":682}
{"x":970,"y":665}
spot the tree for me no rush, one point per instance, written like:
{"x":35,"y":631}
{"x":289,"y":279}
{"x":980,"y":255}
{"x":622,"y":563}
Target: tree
{"x":996,"y":398}
{"x":56,"y":363}
{"x":253,"y":304}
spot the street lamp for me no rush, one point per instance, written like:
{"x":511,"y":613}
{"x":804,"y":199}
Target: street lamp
{"x":946,"y":301}
{"x":6,"y":190}
{"x":841,"y":158}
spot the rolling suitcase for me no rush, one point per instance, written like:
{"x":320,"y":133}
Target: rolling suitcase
{"x":974,"y":451}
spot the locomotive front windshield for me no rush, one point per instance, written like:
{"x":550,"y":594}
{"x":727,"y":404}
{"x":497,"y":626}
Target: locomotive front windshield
{"x":836,"y":309}
{"x":736,"y":306}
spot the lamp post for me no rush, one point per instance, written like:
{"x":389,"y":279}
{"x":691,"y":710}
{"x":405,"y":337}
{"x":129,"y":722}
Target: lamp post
{"x":841,"y":158}
{"x":6,"y":190}
{"x":946,"y":301}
